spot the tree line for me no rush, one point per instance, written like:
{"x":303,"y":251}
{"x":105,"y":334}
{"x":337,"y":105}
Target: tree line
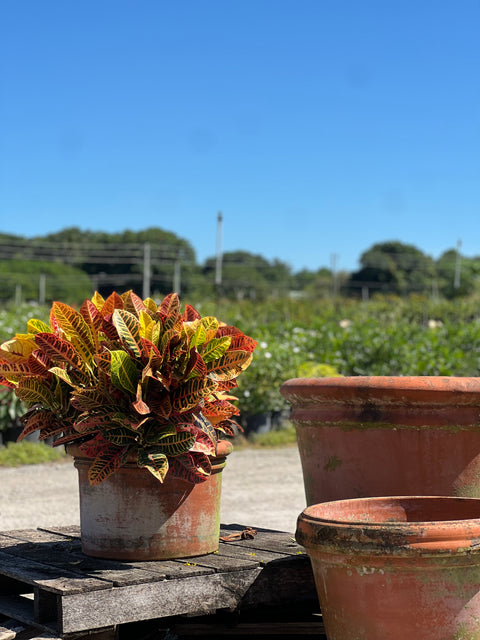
{"x":69,"y":264}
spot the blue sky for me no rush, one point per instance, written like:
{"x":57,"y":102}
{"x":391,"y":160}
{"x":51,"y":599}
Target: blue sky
{"x":318,"y":127}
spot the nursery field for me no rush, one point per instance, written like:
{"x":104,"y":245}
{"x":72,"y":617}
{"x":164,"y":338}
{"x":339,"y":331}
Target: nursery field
{"x":384,"y":336}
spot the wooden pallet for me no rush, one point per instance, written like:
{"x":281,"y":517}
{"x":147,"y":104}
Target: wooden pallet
{"x":48,"y":583}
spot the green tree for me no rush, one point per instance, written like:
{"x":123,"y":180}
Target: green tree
{"x":393,"y":267}
{"x":457,"y":275}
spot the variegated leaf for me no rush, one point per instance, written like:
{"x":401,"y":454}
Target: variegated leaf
{"x":218,"y":410}
{"x":203,"y":425}
{"x":93,"y":318}
{"x":103,"y":361}
{"x":190,"y":314}
{"x":150,"y":305}
{"x":203,"y":444}
{"x":210,"y":324}
{"x":132,"y":303}
{"x":191,"y":467}
{"x":18,"y":349}
{"x":76,"y":329}
{"x":62,"y":374}
{"x":229,"y":366}
{"x":228,"y":427}
{"x":240,"y":342}
{"x":58,"y":349}
{"x":6,"y":383}
{"x":191,"y":393}
{"x":155,"y":431}
{"x":70,"y":438}
{"x":153,"y":459}
{"x":120,"y":436}
{"x":40,"y":421}
{"x":39,"y":363}
{"x":37,"y":326}
{"x":123,"y":372}
{"x":215,"y":349}
{"x":176,"y":444}
{"x":88,"y":399}
{"x":34,"y":390}
{"x":170,"y":305}
{"x":14,"y":371}
{"x":128,"y":328}
{"x":114,"y":301}
{"x":105,"y":464}
{"x":98,"y":301}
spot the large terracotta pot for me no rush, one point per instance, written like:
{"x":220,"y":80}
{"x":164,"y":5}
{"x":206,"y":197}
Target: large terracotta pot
{"x":396,"y":568}
{"x":387,"y":436}
{"x":132,"y":516}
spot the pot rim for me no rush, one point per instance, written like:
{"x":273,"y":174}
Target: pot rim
{"x":392,"y":536}
{"x":351,"y":389}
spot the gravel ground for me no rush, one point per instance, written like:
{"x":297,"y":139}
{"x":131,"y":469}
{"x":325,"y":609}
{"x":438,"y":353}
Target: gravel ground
{"x":261,"y":488}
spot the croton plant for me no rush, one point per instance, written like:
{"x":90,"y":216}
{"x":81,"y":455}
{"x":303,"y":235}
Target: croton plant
{"x":124,"y":375}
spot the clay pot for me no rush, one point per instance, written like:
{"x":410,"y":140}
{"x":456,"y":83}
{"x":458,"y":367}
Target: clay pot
{"x":396,"y":568}
{"x":387,"y":436}
{"x":132,"y":516}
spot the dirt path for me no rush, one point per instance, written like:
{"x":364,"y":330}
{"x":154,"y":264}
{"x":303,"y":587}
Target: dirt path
{"x":261,"y":488}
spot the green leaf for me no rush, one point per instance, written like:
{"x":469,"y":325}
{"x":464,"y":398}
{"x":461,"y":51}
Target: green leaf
{"x":128,"y":328}
{"x":215,"y":349}
{"x":154,"y":460}
{"x":123,"y":372}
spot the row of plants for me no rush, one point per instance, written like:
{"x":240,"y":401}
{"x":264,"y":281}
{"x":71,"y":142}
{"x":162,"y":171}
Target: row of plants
{"x":385,"y":336}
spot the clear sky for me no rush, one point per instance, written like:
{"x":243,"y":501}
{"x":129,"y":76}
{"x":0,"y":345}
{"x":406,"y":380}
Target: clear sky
{"x":318,"y":127}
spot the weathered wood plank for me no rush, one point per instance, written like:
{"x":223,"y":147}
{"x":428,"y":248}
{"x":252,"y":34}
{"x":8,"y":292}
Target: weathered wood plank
{"x":48,"y":577}
{"x":276,"y":541}
{"x":196,"y":595}
{"x":220,"y":562}
{"x":17,"y":608}
{"x":69,"y":531}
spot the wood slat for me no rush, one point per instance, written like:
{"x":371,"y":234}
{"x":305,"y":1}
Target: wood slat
{"x":196,"y":595}
{"x":47,"y":577}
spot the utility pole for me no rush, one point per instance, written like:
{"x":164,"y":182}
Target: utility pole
{"x":176,"y":276}
{"x":458,"y":266}
{"x":333,"y":269}
{"x":41,"y":288}
{"x":147,"y":269}
{"x":218,"y":267}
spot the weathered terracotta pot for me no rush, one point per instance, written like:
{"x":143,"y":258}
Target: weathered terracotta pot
{"x":396,"y":568}
{"x":132,"y":516}
{"x":387,"y":436}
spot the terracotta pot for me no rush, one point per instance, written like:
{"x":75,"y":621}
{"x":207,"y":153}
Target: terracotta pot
{"x":132,"y":516}
{"x":387,"y":436}
{"x":396,"y":568}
